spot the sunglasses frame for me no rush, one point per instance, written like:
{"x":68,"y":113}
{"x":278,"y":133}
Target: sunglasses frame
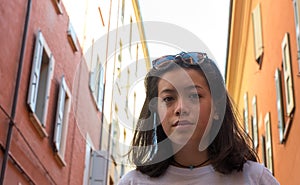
{"x":190,"y":58}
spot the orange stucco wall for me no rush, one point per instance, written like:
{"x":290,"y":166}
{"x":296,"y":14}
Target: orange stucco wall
{"x":259,"y":81}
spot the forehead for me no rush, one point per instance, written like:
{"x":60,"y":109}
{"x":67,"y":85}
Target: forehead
{"x":182,"y":78}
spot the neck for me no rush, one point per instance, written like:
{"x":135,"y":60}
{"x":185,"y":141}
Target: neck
{"x":190,"y":157}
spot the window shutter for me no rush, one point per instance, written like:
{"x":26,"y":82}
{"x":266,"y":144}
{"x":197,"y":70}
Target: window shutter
{"x":257,"y":29}
{"x":254,"y":121}
{"x":60,"y":114}
{"x":87,"y":162}
{"x":92,"y":81}
{"x":296,"y":5}
{"x":99,"y":168}
{"x":246,"y":113}
{"x":269,"y":142}
{"x":48,"y":85}
{"x":287,"y":73}
{"x":35,"y":71}
{"x":263,"y":150}
{"x":101,"y":89}
{"x":279,"y":104}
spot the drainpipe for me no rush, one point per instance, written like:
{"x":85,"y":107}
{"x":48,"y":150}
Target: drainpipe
{"x":16,"y":94}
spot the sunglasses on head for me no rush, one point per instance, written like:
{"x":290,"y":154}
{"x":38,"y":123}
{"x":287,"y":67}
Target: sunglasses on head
{"x":191,"y":58}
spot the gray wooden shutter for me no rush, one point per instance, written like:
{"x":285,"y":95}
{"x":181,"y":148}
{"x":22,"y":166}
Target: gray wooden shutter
{"x":257,"y":31}
{"x":101,"y":89}
{"x":48,"y":85}
{"x":255,"y":125}
{"x":296,"y":5}
{"x":92,"y":81}
{"x":287,"y":73}
{"x":35,"y":71}
{"x":269,"y":151}
{"x":99,"y":168}
{"x":279,"y":104}
{"x":246,"y":113}
{"x":60,"y":114}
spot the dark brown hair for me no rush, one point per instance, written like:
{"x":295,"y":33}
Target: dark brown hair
{"x":229,"y":149}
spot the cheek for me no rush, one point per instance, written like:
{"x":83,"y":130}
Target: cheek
{"x":162,"y":111}
{"x":163,"y":117}
{"x":205,"y":112}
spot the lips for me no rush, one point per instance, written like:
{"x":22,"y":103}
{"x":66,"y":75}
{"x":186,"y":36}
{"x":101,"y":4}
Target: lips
{"x":181,"y":123}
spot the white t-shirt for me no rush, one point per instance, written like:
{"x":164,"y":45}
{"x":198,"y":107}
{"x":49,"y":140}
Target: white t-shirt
{"x":253,"y":174}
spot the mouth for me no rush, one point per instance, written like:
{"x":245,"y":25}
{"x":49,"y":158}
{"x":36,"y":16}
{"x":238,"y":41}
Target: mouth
{"x":182,"y":123}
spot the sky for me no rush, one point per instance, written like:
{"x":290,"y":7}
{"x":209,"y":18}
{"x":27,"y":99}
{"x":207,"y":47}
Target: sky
{"x":207,"y":19}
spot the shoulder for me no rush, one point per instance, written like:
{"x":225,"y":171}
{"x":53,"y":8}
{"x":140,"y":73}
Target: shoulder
{"x":255,"y":171}
{"x":131,"y":177}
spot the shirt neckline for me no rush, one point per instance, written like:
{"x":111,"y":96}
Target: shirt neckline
{"x":190,"y":172}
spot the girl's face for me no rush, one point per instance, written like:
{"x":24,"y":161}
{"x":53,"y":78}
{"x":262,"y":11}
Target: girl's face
{"x":184,"y":105}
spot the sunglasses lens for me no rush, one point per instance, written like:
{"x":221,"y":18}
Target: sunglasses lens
{"x":190,"y":58}
{"x":162,"y":60}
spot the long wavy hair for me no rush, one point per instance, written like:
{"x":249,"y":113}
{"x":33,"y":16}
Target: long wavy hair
{"x":152,"y":151}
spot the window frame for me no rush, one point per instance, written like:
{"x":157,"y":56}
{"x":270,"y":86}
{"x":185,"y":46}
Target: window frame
{"x":62,"y":121}
{"x":263,"y":149}
{"x":58,"y":6}
{"x":257,"y":33}
{"x":269,"y":148}
{"x":96,"y":84}
{"x":279,"y":105}
{"x":296,"y":6}
{"x":35,"y":96}
{"x":246,"y":113}
{"x":288,"y":75}
{"x":72,"y":37}
{"x":254,"y":123}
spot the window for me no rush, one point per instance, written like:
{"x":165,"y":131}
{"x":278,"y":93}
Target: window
{"x":287,"y":73}
{"x":62,"y":120}
{"x":134,"y":107}
{"x":257,"y":31}
{"x":269,"y":153}
{"x":123,"y":11}
{"x":263,"y":149}
{"x":127,"y":92}
{"x":97,"y":84}
{"x":297,"y":24}
{"x":136,"y":59}
{"x":120,"y":59}
{"x":115,"y":137}
{"x":95,"y":165}
{"x":254,"y":123}
{"x":279,"y":106}
{"x":130,"y":35}
{"x":40,"y":83}
{"x":58,"y":6}
{"x":72,"y":37}
{"x":87,"y":162}
{"x":246,"y":114}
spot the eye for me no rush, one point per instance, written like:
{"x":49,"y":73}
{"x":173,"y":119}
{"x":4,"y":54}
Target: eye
{"x":195,"y":96}
{"x":168,"y":99}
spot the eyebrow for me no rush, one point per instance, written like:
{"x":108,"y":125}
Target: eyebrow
{"x":193,"y":87}
{"x":167,"y":91}
{"x":186,"y":88}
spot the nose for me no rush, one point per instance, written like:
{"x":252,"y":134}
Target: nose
{"x":181,"y":108}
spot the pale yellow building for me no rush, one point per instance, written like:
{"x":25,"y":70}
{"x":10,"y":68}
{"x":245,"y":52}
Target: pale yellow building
{"x":110,"y":34}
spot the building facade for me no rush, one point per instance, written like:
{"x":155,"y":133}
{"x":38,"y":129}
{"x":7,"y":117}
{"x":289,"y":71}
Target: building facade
{"x":262,"y":76}
{"x":54,"y":83}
